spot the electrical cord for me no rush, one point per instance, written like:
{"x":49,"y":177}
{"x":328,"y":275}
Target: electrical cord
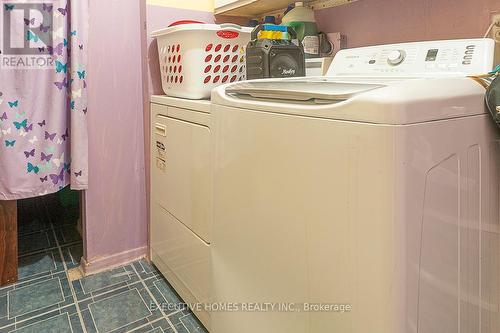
{"x":493,"y":23}
{"x":486,"y":79}
{"x":489,"y":29}
{"x":492,"y":99}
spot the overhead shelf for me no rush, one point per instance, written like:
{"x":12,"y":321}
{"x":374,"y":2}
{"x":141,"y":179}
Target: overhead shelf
{"x":257,"y":8}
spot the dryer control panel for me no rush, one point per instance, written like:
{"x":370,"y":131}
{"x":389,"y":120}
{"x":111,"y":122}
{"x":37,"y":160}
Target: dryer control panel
{"x":433,"y":58}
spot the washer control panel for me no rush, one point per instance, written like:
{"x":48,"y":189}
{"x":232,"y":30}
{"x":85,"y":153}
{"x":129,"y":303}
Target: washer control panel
{"x":433,"y":58}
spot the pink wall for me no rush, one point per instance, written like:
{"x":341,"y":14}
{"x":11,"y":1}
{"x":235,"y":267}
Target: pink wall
{"x":116,"y":214}
{"x":371,"y":22}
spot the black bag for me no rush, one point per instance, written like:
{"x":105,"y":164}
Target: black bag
{"x":269,"y":58}
{"x":492,"y":99}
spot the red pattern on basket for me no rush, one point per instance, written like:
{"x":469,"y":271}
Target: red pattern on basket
{"x":220,"y":60}
{"x":227,"y":34}
{"x":223,"y":58}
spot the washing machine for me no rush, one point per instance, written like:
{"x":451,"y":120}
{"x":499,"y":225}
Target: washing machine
{"x":363,"y":201}
{"x":181,"y":204}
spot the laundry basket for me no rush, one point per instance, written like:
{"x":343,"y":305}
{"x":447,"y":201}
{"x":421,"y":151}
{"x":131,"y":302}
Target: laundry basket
{"x":196,"y":57}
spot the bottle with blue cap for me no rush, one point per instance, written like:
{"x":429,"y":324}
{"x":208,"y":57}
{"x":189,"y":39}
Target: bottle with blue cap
{"x":272,"y":31}
{"x":253,"y":23}
{"x":269,"y":20}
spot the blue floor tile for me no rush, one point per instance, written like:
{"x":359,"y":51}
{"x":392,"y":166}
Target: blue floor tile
{"x":3,"y":306}
{"x":104,"y":283}
{"x":156,"y":330}
{"x":29,"y":227}
{"x":168,"y":295}
{"x":35,"y":242}
{"x":88,"y":321}
{"x":121,"y":300}
{"x":144,"y":329}
{"x":179,"y":328}
{"x":76,"y":323}
{"x":192,"y":324}
{"x":67,"y":234}
{"x":35,"y":297}
{"x":161,"y":325}
{"x":99,"y":281}
{"x":118,"y":311}
{"x":47,"y":305}
{"x":39,"y":264}
{"x":146,"y":270}
{"x":73,"y":255}
{"x":58,"y":324}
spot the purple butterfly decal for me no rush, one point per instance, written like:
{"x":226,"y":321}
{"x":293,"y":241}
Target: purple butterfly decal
{"x":80,"y":46}
{"x":85,"y":111}
{"x":46,"y":157}
{"x":42,"y":123}
{"x":56,"y":50}
{"x":44,"y":28}
{"x":49,"y":136}
{"x":64,"y":10}
{"x":29,"y":22}
{"x":84,"y":84}
{"x":65,"y":135}
{"x":47,"y":8}
{"x":57,"y":178}
{"x":41,"y":49}
{"x":78,"y":174}
{"x":44,"y":179}
{"x":29,"y":153}
{"x":29,"y":128}
{"x":62,"y":84}
{"x":4,"y":116}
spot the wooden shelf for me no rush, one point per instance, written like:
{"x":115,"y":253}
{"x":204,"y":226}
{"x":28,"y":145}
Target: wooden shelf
{"x":258,"y":8}
{"x":322,"y":4}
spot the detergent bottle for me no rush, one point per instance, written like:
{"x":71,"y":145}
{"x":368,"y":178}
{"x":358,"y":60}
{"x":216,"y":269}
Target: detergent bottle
{"x":301,"y":19}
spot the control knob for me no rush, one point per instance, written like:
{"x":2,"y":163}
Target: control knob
{"x":396,"y":57}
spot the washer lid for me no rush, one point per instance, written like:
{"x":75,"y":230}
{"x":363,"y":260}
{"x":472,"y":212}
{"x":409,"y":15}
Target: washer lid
{"x":402,"y":101}
{"x":302,"y":90}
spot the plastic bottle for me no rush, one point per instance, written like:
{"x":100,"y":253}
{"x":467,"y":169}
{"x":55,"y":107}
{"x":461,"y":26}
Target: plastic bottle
{"x":253,"y":23}
{"x":301,"y":18}
{"x":269,"y":20}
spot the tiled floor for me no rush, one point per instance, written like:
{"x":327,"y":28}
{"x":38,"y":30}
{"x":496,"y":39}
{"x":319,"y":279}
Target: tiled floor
{"x":126,"y":299}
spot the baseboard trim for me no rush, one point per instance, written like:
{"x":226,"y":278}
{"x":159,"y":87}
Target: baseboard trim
{"x":100,"y":264}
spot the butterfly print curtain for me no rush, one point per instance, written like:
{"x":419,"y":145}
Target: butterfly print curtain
{"x":43,"y":98}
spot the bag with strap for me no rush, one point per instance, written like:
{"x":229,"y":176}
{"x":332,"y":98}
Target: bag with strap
{"x":492,"y":99}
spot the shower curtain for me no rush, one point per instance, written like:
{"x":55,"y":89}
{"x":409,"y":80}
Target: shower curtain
{"x":43,"y":97}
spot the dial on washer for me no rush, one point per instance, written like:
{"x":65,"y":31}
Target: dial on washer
{"x":396,"y":57}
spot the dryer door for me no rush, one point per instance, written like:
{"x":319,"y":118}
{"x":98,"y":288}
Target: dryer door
{"x":181,"y":172}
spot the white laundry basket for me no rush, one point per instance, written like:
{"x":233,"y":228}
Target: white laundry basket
{"x":196,"y":57}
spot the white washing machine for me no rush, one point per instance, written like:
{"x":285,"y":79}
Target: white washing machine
{"x":181,"y":192}
{"x":374,"y":190}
